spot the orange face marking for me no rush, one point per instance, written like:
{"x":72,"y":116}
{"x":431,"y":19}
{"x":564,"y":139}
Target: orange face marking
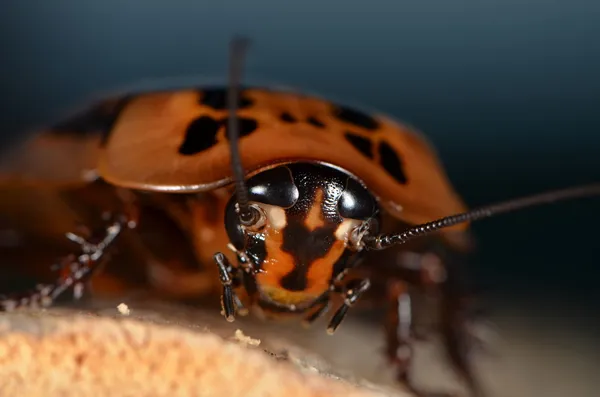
{"x":279,"y":264}
{"x":321,"y":270}
{"x":276,"y":266}
{"x":314,"y":219}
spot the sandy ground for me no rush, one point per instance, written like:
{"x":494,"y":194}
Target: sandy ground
{"x":532,"y":352}
{"x":550,"y":352}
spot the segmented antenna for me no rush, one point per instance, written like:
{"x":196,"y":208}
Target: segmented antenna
{"x":384,"y":241}
{"x":238,"y":48}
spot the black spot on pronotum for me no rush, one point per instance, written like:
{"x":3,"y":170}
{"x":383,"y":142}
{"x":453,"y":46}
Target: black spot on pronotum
{"x":200,"y":135}
{"x":247,"y":126}
{"x":216,"y":98}
{"x":316,"y":122}
{"x":355,"y":117}
{"x":288,"y":118}
{"x":363,"y":145}
{"x":391,"y":162}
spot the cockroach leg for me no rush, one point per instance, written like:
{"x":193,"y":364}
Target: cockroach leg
{"x":226,"y":277}
{"x":38,"y":297}
{"x":427,"y":272}
{"x":74,"y":270}
{"x":457,"y":337}
{"x":351,"y":293}
{"x":78,"y":271}
{"x":455,"y":318}
{"x":131,"y":207}
{"x":241,"y":309}
{"x":400,"y":335}
{"x":398,"y":329}
{"x":318,"y":309}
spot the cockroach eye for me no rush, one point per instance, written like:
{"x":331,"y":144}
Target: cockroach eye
{"x":235,"y":231}
{"x":261,"y":219}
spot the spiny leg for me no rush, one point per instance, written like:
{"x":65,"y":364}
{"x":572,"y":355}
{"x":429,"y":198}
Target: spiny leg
{"x":74,"y":270}
{"x":318,"y":309}
{"x":351,"y":292}
{"x":321,"y":305}
{"x":458,"y":338}
{"x":427,"y":274}
{"x":93,"y":250}
{"x":40,"y":296}
{"x":457,"y":317}
{"x":398,"y":329}
{"x":229,"y":299}
{"x":400,"y":336}
{"x":425,"y":271}
{"x":399,"y":321}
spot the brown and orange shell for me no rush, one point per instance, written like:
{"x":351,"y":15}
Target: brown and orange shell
{"x":175,"y":141}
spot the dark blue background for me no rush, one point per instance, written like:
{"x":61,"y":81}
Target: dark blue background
{"x":508,"y":91}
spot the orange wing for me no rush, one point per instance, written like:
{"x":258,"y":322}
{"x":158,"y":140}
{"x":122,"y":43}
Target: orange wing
{"x":63,"y":155}
{"x":176,"y":141}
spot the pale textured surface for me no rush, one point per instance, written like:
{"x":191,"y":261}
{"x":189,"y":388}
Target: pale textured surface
{"x":536,"y":353}
{"x":62,"y":353}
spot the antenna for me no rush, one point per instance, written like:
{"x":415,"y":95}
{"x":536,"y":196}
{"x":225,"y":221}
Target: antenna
{"x":384,"y":241}
{"x":238,"y":47}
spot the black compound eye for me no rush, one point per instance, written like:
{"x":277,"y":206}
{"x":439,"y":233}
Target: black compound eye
{"x":274,"y":187}
{"x":356,"y":202}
